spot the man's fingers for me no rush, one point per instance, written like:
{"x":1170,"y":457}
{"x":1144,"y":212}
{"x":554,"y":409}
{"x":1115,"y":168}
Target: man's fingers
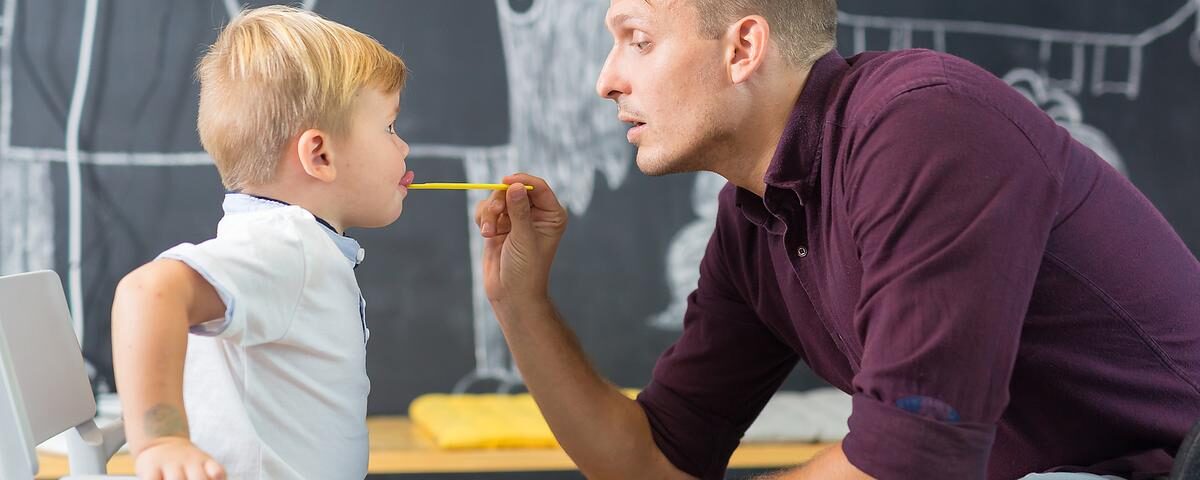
{"x":503,"y":224}
{"x":518,"y":203}
{"x":519,"y":218}
{"x":487,"y":213}
{"x":541,"y":197}
{"x":479,"y":212}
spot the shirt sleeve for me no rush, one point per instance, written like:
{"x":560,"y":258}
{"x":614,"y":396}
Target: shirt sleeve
{"x":951,"y":208}
{"x":258,"y":270}
{"x":710,"y":385}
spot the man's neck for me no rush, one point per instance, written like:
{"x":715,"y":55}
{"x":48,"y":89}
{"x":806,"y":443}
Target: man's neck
{"x":758,"y":139}
{"x":300,"y":197}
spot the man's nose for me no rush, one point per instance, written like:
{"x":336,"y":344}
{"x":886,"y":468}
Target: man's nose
{"x":609,"y":84}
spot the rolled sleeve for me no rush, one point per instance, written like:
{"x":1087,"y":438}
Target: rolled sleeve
{"x":952,"y":211}
{"x":889,"y":442}
{"x":709,"y":386}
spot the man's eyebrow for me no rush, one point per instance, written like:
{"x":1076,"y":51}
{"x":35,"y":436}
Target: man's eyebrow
{"x":618,"y":19}
{"x":623,"y":18}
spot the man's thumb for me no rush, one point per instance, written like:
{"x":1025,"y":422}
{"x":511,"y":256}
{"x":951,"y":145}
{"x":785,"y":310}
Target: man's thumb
{"x":518,"y":206}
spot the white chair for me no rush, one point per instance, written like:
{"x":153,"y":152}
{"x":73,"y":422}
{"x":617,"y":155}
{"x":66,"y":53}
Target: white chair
{"x":45,"y":390}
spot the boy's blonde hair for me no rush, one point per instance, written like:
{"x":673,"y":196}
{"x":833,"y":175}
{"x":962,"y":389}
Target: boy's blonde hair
{"x":273,"y":73}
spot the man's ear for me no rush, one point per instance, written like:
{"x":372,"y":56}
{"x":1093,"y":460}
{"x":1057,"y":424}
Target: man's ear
{"x":315,"y":156}
{"x":746,"y":49}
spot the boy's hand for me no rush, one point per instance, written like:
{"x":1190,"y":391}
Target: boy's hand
{"x":175,"y":458}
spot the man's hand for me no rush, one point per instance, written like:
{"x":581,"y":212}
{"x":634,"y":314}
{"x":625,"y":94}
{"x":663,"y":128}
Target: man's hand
{"x":829,"y":464}
{"x":521,"y":231}
{"x":176,"y":458}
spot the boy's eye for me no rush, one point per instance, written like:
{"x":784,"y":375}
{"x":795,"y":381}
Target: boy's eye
{"x":391,"y":128}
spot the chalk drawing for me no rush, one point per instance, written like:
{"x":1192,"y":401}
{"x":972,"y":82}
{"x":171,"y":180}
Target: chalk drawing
{"x":687,"y":248}
{"x":26,"y":200}
{"x":901,"y":32}
{"x":560,"y":129}
{"x":1065,"y":110}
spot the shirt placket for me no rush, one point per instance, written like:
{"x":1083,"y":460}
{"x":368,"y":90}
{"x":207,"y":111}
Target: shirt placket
{"x":801,"y":256}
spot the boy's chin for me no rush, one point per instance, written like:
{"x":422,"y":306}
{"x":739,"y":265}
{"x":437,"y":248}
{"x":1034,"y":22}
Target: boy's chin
{"x":379,"y":221}
{"x":391,"y":217}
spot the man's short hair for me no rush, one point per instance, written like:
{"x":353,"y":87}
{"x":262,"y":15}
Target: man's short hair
{"x":273,"y":73}
{"x":804,"y":30}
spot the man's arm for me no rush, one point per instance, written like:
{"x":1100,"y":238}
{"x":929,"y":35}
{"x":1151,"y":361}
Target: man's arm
{"x":606,"y":434}
{"x":829,"y":464}
{"x":603,"y":431}
{"x":152,"y":310}
{"x":950,"y":206}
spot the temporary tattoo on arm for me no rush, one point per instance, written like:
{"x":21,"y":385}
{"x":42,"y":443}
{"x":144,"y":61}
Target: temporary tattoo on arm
{"x":164,"y":420}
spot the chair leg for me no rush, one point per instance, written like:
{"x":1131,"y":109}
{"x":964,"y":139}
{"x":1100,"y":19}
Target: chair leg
{"x":89,"y":447}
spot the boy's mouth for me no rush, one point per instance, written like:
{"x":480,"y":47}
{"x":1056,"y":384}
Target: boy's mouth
{"x":407,"y":179}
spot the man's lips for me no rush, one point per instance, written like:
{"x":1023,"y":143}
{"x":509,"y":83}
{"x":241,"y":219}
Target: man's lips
{"x":630,"y":119}
{"x":635,"y":132}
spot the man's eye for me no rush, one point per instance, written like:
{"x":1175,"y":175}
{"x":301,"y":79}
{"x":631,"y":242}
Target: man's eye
{"x":640,"y":45}
{"x":391,"y":128}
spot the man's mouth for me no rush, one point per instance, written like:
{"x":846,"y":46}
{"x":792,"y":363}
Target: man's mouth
{"x":635,"y":131}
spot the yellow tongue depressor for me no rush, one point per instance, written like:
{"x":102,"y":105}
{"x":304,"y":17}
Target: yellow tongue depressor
{"x":462,"y":186}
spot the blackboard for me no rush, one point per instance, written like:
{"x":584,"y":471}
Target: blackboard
{"x":501,"y":85}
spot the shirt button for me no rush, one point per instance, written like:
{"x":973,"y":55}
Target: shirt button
{"x":801,"y":252}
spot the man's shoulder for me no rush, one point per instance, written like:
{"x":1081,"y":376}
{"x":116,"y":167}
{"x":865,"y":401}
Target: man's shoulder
{"x":877,"y":80}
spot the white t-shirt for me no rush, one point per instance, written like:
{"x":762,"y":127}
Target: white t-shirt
{"x":277,"y":389}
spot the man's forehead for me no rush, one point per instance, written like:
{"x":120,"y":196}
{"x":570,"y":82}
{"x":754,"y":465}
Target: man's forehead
{"x":625,"y":11}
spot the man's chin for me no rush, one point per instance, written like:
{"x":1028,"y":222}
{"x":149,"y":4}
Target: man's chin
{"x":656,"y":165}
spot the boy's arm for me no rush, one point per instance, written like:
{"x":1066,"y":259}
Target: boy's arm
{"x":153,"y":308}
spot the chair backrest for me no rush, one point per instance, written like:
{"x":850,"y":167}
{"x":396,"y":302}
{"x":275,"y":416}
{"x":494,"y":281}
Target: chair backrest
{"x":45,"y":388}
{"x":1187,"y":459}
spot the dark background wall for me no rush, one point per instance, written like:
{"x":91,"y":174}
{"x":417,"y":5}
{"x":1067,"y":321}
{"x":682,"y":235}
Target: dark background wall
{"x":503,"y":85}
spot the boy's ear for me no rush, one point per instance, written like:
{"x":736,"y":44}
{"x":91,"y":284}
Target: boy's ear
{"x":314,"y":152}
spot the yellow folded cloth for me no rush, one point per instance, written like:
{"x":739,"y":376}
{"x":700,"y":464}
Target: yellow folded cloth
{"x":469,"y":421}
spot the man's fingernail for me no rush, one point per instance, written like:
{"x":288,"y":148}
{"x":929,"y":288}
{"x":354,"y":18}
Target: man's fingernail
{"x":487,"y":228}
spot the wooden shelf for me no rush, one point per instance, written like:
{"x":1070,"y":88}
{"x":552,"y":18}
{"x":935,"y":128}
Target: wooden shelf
{"x":399,"y":447}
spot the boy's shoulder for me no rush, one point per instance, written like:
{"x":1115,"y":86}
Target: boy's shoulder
{"x":265,"y":245}
{"x":277,"y":234}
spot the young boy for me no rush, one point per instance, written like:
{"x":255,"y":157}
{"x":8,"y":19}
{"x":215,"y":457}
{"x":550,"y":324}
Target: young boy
{"x":297,"y":112}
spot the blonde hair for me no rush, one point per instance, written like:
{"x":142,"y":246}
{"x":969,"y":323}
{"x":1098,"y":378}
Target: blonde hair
{"x":277,"y":71}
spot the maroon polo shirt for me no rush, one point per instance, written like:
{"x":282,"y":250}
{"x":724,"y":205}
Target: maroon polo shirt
{"x":996,"y":298}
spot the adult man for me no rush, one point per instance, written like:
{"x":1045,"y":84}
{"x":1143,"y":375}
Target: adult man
{"x":998,"y":301}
